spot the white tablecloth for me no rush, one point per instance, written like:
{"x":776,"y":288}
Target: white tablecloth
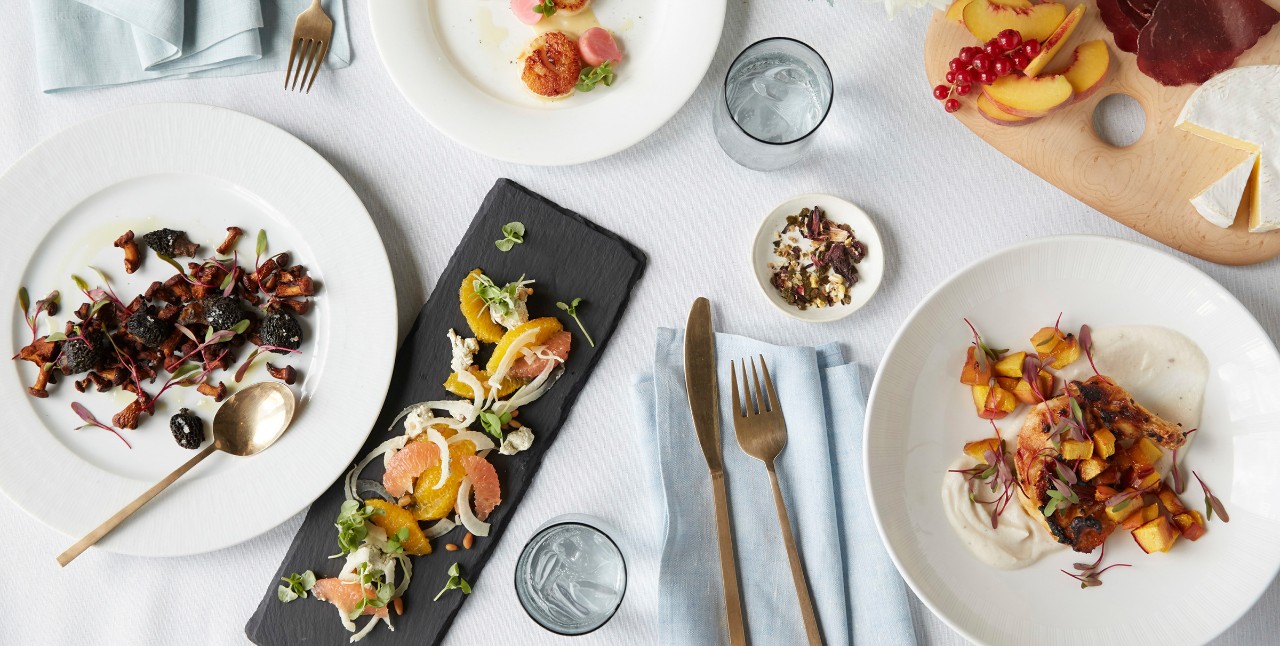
{"x":942,"y":199}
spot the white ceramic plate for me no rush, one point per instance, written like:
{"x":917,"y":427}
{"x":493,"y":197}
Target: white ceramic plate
{"x":870,"y":269}
{"x":919,"y":416}
{"x":200,"y":169}
{"x":458,"y":63}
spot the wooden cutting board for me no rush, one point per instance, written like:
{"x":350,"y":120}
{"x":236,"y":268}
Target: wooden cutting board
{"x":1145,"y":186}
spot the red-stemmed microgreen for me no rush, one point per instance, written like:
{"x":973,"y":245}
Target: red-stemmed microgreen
{"x":1121,"y":500}
{"x":229,"y":283}
{"x":1088,"y":574}
{"x":1086,"y":343}
{"x":1179,"y":484}
{"x":44,"y":305}
{"x":1031,"y":367}
{"x":244,"y":366}
{"x":211,"y":338}
{"x":1062,"y":479}
{"x":985,"y":354}
{"x":91,"y":421}
{"x":996,"y":475}
{"x":259,"y":248}
{"x":1211,"y":502}
{"x":182,"y":271}
{"x":99,"y":295}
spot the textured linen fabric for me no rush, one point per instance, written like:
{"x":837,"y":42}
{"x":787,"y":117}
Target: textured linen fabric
{"x":940,"y":197}
{"x":85,"y":44}
{"x":817,"y":482}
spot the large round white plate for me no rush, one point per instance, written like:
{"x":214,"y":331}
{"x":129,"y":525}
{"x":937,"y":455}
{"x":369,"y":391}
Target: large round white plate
{"x":919,"y":417}
{"x":201,"y":169}
{"x":458,"y":63}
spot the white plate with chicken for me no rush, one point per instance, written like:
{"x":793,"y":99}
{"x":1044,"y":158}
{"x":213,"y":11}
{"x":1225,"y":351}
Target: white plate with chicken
{"x":1072,"y":412}
{"x":547,"y":82}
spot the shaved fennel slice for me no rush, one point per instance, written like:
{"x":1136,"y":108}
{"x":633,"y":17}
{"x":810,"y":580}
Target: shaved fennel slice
{"x":442,"y":527}
{"x":436,"y":438}
{"x":514,"y":352}
{"x":481,"y":441}
{"x":477,"y":390}
{"x":531,"y":391}
{"x":468,"y":516}
{"x":349,"y":482}
{"x":462,"y":414}
{"x":368,"y":628}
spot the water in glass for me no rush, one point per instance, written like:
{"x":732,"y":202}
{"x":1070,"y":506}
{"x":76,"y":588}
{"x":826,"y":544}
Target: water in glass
{"x":570,"y":578}
{"x":776,"y":97}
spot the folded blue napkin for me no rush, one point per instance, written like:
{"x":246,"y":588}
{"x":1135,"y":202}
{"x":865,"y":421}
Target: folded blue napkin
{"x":83,"y":44}
{"x":858,"y":595}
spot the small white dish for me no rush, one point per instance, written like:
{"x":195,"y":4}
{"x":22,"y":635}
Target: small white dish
{"x":870,"y":270}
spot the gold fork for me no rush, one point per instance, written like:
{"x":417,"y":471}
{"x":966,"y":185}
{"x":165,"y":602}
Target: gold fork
{"x":311,"y":37}
{"x":762,"y":433}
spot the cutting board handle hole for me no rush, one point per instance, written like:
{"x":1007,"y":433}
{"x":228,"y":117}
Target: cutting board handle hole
{"x":1119,"y":120}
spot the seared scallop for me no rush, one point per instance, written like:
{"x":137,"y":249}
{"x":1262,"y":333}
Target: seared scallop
{"x":552,"y":66}
{"x":570,"y":7}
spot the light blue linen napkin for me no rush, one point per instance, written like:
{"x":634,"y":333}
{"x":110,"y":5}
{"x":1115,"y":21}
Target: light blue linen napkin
{"x":83,"y":44}
{"x":858,"y":595}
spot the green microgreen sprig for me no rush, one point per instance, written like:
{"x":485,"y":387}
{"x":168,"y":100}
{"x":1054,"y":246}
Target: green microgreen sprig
{"x":493,"y":423}
{"x":571,"y":308}
{"x":351,"y":524}
{"x":396,"y":541}
{"x":296,"y":586}
{"x":455,"y":582}
{"x":545,"y":7}
{"x":512,"y":235}
{"x":1211,"y":503}
{"x":590,"y":77}
{"x":382,"y":591}
{"x":500,"y":300}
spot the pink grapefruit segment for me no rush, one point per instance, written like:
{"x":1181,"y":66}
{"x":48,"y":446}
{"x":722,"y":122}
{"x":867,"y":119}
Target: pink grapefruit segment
{"x":484,"y":485}
{"x":530,"y":367}
{"x":345,"y":596}
{"x":409,"y":463}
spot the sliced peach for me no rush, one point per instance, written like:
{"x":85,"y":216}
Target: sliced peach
{"x":1000,"y":402}
{"x":1092,"y":467}
{"x":1010,"y":366}
{"x":1122,"y":511}
{"x":980,"y":393}
{"x":1088,"y":69}
{"x":1191,"y":523}
{"x":1145,"y":452}
{"x":1156,"y":535}
{"x":973,"y":373}
{"x":956,"y":10}
{"x":1045,"y":340}
{"x":986,"y":18}
{"x":995,"y":115}
{"x":1104,"y":443}
{"x":1065,"y":353}
{"x":1024,"y":96}
{"x":1050,"y":46}
{"x":978,"y":450}
{"x":1171,"y":501}
{"x":1077,"y":450}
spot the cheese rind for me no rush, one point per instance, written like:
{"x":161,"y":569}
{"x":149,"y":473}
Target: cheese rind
{"x":1240,"y":108}
{"x":1220,"y":202}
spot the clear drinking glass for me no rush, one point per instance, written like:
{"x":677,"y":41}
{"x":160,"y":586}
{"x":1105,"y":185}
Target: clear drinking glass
{"x":776,"y":94}
{"x":571,"y":576}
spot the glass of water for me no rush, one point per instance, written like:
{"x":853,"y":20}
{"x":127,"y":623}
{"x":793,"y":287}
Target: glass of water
{"x":571,"y":576}
{"x":776,"y":94}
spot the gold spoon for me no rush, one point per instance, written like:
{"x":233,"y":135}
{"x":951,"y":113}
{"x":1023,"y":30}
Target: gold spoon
{"x":247,"y":423}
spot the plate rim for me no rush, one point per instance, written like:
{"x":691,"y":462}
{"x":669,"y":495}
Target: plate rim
{"x":926,"y":300}
{"x":519,"y":153}
{"x":197,"y":117}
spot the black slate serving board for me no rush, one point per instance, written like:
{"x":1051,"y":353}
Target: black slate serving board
{"x":569,"y":257}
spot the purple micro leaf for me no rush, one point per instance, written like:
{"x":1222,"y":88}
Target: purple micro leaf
{"x":84,"y":413}
{"x":187,"y":331}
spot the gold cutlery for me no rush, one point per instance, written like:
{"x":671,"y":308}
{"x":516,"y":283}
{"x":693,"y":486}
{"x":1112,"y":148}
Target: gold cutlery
{"x":704,"y":403}
{"x":311,"y":37}
{"x":247,"y":423}
{"x":762,"y":433}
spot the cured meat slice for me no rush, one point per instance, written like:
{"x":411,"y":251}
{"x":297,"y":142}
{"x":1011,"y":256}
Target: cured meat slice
{"x":1140,"y":8}
{"x":1123,"y":28}
{"x":1189,"y":41}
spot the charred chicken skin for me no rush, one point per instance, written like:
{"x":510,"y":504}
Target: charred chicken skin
{"x":1105,"y":406}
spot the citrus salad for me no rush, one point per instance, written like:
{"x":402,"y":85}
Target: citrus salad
{"x":438,"y":470}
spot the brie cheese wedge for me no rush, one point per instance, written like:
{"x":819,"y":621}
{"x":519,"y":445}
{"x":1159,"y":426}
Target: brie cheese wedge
{"x":1241,"y":108}
{"x":1220,"y":202}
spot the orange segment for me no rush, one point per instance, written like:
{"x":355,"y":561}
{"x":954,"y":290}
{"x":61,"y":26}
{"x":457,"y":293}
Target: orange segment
{"x":545,"y":327}
{"x":455,"y":385}
{"x":434,"y":504}
{"x":393,"y":518}
{"x":473,"y":308}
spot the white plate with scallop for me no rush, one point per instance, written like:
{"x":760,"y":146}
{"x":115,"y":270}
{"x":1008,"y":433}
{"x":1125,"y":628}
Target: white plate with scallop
{"x":919,"y":417}
{"x":458,"y":62}
{"x":199,"y":169}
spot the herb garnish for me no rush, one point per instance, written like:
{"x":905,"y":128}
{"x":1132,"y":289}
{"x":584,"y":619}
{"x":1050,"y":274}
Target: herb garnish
{"x":996,"y":475}
{"x":1086,"y":343}
{"x":571,"y":308}
{"x":505,"y":300}
{"x":986,"y":354}
{"x":493,"y":422}
{"x":592,"y":76}
{"x":296,"y":586}
{"x":455,"y":582}
{"x":1089,"y":575}
{"x":512,"y":235}
{"x":545,"y":7}
{"x":396,"y":541}
{"x":381,"y":590}
{"x":1211,"y":503}
{"x":91,"y":421}
{"x":351,"y":524}
{"x":48,"y":304}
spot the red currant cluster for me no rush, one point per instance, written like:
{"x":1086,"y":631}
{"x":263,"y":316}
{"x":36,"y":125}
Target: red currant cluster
{"x":1000,"y":56}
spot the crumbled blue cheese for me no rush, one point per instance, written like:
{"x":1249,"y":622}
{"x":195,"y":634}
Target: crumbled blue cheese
{"x":515,"y":316}
{"x":464,"y":351}
{"x":516,"y":441}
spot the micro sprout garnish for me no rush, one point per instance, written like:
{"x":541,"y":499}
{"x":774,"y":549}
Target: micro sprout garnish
{"x":455,"y":582}
{"x":211,"y":338}
{"x":1031,"y":367}
{"x":396,"y":541}
{"x":382,"y":591}
{"x":987,"y":353}
{"x":296,"y":586}
{"x":493,"y":423}
{"x":571,"y":308}
{"x":1211,"y":503}
{"x":1179,"y":484}
{"x":512,"y":235}
{"x":501,"y":300}
{"x":91,"y":421}
{"x":351,"y":524}
{"x":244,"y":366}
{"x":1089,"y":575}
{"x":996,"y":475}
{"x":590,"y":77}
{"x":1086,"y":343}
{"x":48,"y":304}
{"x":545,"y":7}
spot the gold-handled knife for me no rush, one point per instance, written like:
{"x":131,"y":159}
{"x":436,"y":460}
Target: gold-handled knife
{"x":704,"y":403}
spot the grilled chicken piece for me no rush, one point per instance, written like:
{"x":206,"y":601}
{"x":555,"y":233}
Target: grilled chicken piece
{"x":1105,"y":405}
